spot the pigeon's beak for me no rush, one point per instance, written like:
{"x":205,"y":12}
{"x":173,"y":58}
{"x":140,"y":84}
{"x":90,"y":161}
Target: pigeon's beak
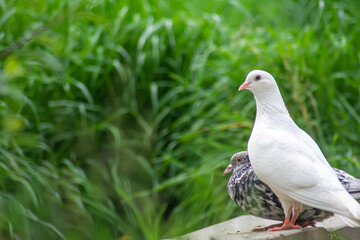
{"x":228,"y":169}
{"x":244,"y":86}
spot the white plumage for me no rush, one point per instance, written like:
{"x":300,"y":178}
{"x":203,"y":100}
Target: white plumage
{"x":289,"y":160}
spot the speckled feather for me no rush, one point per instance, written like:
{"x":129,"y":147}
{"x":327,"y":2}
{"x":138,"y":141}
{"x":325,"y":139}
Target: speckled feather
{"x":257,"y":199}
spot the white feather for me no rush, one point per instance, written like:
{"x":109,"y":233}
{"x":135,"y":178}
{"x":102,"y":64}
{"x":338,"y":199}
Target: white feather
{"x":289,"y":160}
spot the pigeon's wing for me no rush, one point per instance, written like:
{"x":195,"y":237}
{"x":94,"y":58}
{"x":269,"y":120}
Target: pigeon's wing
{"x":305,"y":138}
{"x":253,"y":195}
{"x":324,"y":192}
{"x":350,"y":183}
{"x":354,"y":188}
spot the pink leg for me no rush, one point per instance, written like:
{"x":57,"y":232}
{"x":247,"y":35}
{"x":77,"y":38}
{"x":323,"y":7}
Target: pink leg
{"x":287,"y":223}
{"x":293,"y":220}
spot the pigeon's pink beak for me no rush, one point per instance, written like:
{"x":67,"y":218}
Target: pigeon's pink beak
{"x":228,"y":169}
{"x":244,"y":86}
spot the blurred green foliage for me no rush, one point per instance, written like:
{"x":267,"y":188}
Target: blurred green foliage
{"x":118,"y":117}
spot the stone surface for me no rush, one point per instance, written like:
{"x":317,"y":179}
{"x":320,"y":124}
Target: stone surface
{"x":241,"y":228}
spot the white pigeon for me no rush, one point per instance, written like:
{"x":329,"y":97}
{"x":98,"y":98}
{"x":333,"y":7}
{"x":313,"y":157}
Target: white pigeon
{"x":289,"y":160}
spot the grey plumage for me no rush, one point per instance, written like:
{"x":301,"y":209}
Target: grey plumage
{"x":257,"y":199}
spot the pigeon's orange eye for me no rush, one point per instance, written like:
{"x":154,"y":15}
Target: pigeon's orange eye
{"x":258,"y":77}
{"x":239,"y":159}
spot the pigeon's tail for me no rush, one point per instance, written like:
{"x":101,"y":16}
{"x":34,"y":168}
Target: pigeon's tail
{"x":355,"y":194}
{"x":354,"y":188}
{"x":353,"y":217}
{"x":341,"y":203}
{"x":349,"y":222}
{"x":350,"y":183}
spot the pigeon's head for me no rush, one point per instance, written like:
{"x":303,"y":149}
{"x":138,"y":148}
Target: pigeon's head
{"x":237,"y":160}
{"x":258,"y":81}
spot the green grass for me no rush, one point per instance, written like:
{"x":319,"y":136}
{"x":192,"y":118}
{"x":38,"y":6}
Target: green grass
{"x":118,"y":117}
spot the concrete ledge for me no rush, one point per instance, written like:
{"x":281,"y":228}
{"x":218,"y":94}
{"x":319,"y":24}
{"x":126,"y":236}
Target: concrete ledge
{"x":240,"y":228}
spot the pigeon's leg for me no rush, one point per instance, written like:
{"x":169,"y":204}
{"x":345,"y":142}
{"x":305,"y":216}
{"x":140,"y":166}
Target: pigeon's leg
{"x":295,"y":216}
{"x":287,"y":223}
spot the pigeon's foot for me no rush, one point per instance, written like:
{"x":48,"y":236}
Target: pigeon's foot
{"x":306,"y":224}
{"x":287,"y":223}
{"x":284,"y":227}
{"x":265,"y":228}
{"x":302,"y":224}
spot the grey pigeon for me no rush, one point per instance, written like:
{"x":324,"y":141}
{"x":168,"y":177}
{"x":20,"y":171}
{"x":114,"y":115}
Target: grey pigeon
{"x":256,"y":198}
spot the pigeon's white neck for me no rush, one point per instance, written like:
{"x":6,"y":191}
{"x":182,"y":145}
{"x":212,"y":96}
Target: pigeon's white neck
{"x":270,"y":107}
